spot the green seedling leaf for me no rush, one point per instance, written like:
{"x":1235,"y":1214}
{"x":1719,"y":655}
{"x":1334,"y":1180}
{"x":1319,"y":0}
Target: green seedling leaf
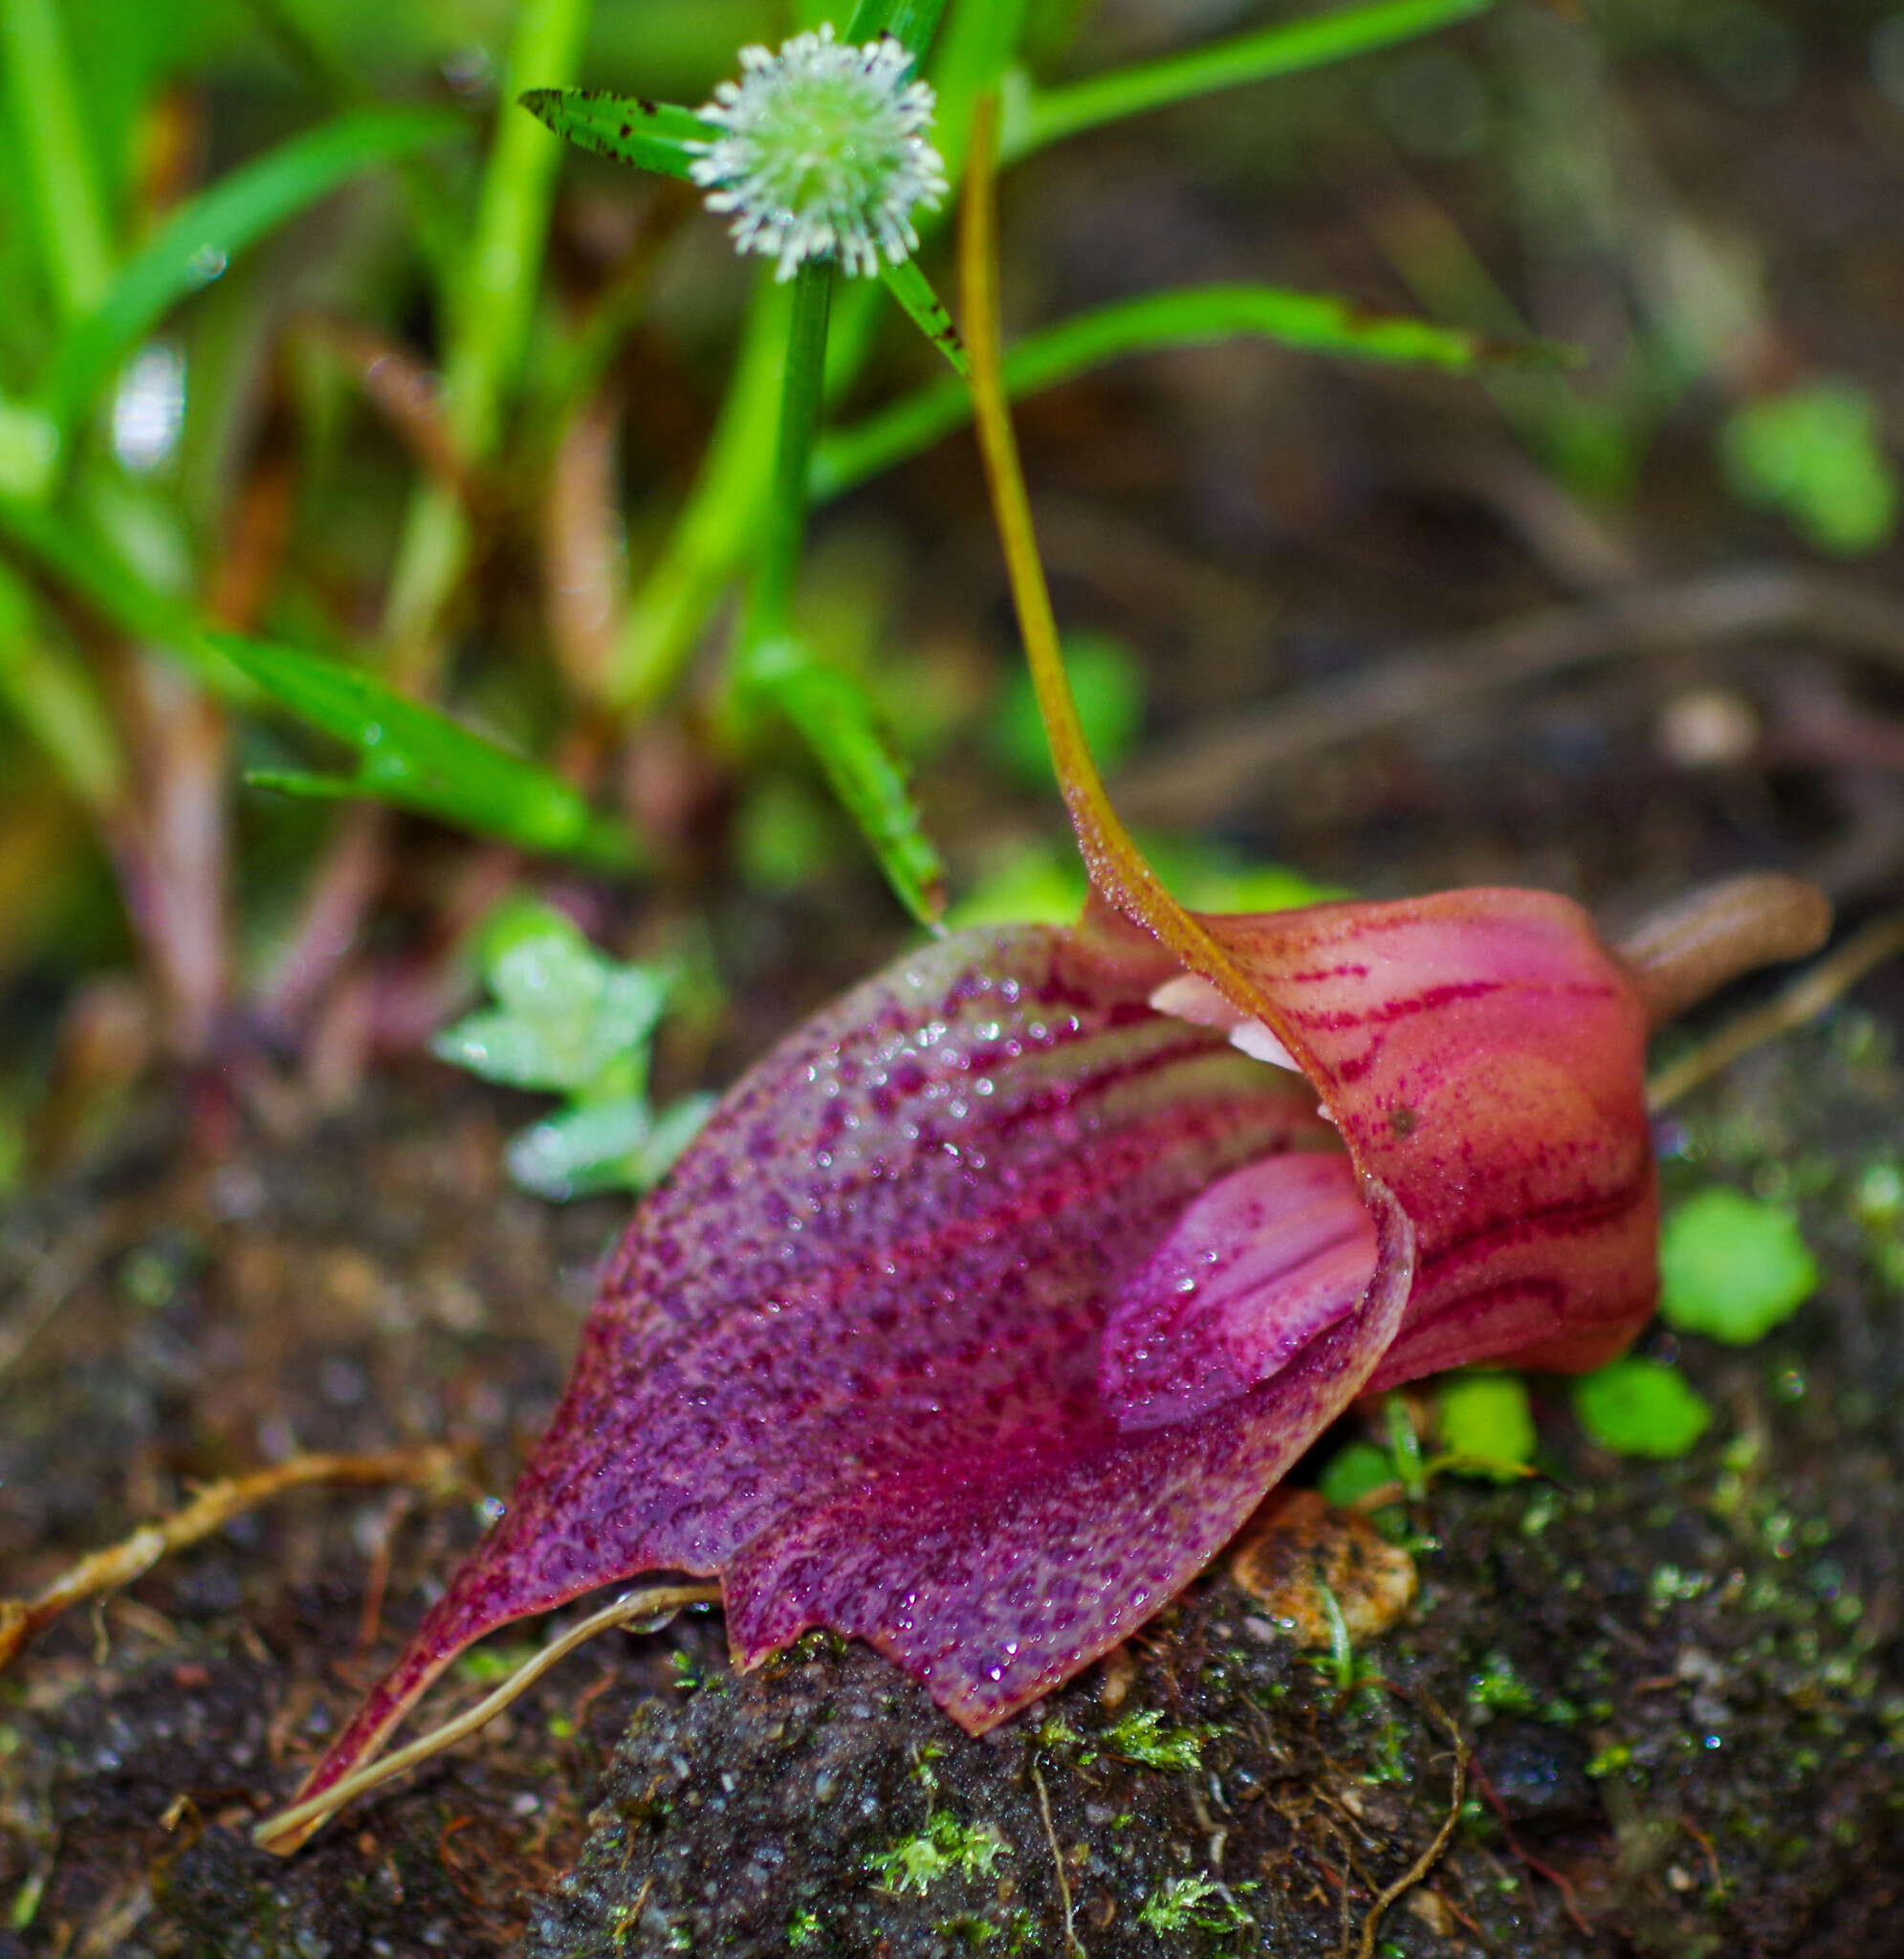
{"x":1730,"y":1267}
{"x":1196,"y":316}
{"x":195,"y":245}
{"x":841,"y":724}
{"x":1816,"y":453}
{"x":567,"y":1014}
{"x":1047,"y":116}
{"x":1108,"y":681}
{"x":626,"y":129}
{"x":571,"y":1020}
{"x":416,"y":759}
{"x":1485,"y":1419}
{"x":617,"y":1145}
{"x":1640,"y":1407}
{"x":1353,"y":1471}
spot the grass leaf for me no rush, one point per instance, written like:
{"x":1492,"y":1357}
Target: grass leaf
{"x":1047,"y":116}
{"x":912,"y":23}
{"x":416,"y":759}
{"x":196,"y":243}
{"x":626,"y":129}
{"x":926,"y":311}
{"x":841,"y":725}
{"x":1195,"y":316}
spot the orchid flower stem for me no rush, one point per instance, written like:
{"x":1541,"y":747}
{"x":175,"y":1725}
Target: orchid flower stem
{"x":802,"y":391}
{"x":1118,"y":871}
{"x":649,"y":1610}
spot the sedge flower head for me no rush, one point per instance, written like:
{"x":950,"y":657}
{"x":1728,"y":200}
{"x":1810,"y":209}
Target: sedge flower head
{"x":824,"y":152}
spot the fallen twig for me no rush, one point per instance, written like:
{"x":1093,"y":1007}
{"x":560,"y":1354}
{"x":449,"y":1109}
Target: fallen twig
{"x":1073,"y":1944}
{"x":213,"y":1506}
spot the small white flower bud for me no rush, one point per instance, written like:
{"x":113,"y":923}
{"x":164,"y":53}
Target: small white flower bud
{"x":823,"y":153}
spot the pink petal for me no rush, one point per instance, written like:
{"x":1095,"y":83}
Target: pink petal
{"x":903,"y":1347}
{"x":1256,"y":1270}
{"x":1482,"y":1054}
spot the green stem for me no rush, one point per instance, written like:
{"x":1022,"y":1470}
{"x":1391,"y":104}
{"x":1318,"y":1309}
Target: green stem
{"x":68,"y":212}
{"x":54,"y":698}
{"x":489,"y":309}
{"x":802,"y":390}
{"x":724,"y":509}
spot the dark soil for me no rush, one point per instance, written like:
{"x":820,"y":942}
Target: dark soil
{"x":1684,"y":1684}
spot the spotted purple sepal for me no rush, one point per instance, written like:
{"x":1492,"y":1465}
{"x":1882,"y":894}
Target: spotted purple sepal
{"x":985,"y":1309}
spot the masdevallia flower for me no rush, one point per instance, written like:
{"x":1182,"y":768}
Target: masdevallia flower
{"x":988,"y":1306}
{"x":823,"y":153}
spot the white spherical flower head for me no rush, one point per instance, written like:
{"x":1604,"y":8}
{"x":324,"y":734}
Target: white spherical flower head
{"x":822,"y":153}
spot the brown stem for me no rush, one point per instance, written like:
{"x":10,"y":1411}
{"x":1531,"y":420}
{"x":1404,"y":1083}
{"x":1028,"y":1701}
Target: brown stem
{"x":1694,"y":946}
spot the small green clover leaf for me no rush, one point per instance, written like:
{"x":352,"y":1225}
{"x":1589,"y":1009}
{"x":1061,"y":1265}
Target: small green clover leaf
{"x":568,"y":1013}
{"x":617,"y":1145}
{"x":573,"y":1022}
{"x":1484,"y":1422}
{"x":1640,"y":1407}
{"x":1816,"y":453}
{"x":1730,"y":1267}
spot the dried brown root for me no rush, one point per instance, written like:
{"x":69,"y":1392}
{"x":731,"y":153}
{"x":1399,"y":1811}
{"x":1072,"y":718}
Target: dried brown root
{"x":435,"y":1468}
{"x":651,"y":1609}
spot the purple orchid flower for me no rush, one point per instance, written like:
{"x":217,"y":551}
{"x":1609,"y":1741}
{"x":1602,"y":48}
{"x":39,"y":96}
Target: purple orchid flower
{"x":990,"y":1304}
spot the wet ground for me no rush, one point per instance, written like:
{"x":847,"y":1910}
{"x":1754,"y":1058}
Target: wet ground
{"x":1683,"y":1684}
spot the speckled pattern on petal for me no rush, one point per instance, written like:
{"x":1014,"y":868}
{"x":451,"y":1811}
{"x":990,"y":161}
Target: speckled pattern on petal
{"x":902,"y":1348}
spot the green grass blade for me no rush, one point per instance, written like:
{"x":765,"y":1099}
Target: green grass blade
{"x":197,"y":242}
{"x":492,"y":293}
{"x":926,"y":311}
{"x":66,"y":207}
{"x":840,"y":723}
{"x":417,"y":759}
{"x":100,"y":576}
{"x":626,"y":129}
{"x":52,"y":697}
{"x":29,"y":449}
{"x":912,"y":23}
{"x":1046,"y":116}
{"x":1194,"y":317}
